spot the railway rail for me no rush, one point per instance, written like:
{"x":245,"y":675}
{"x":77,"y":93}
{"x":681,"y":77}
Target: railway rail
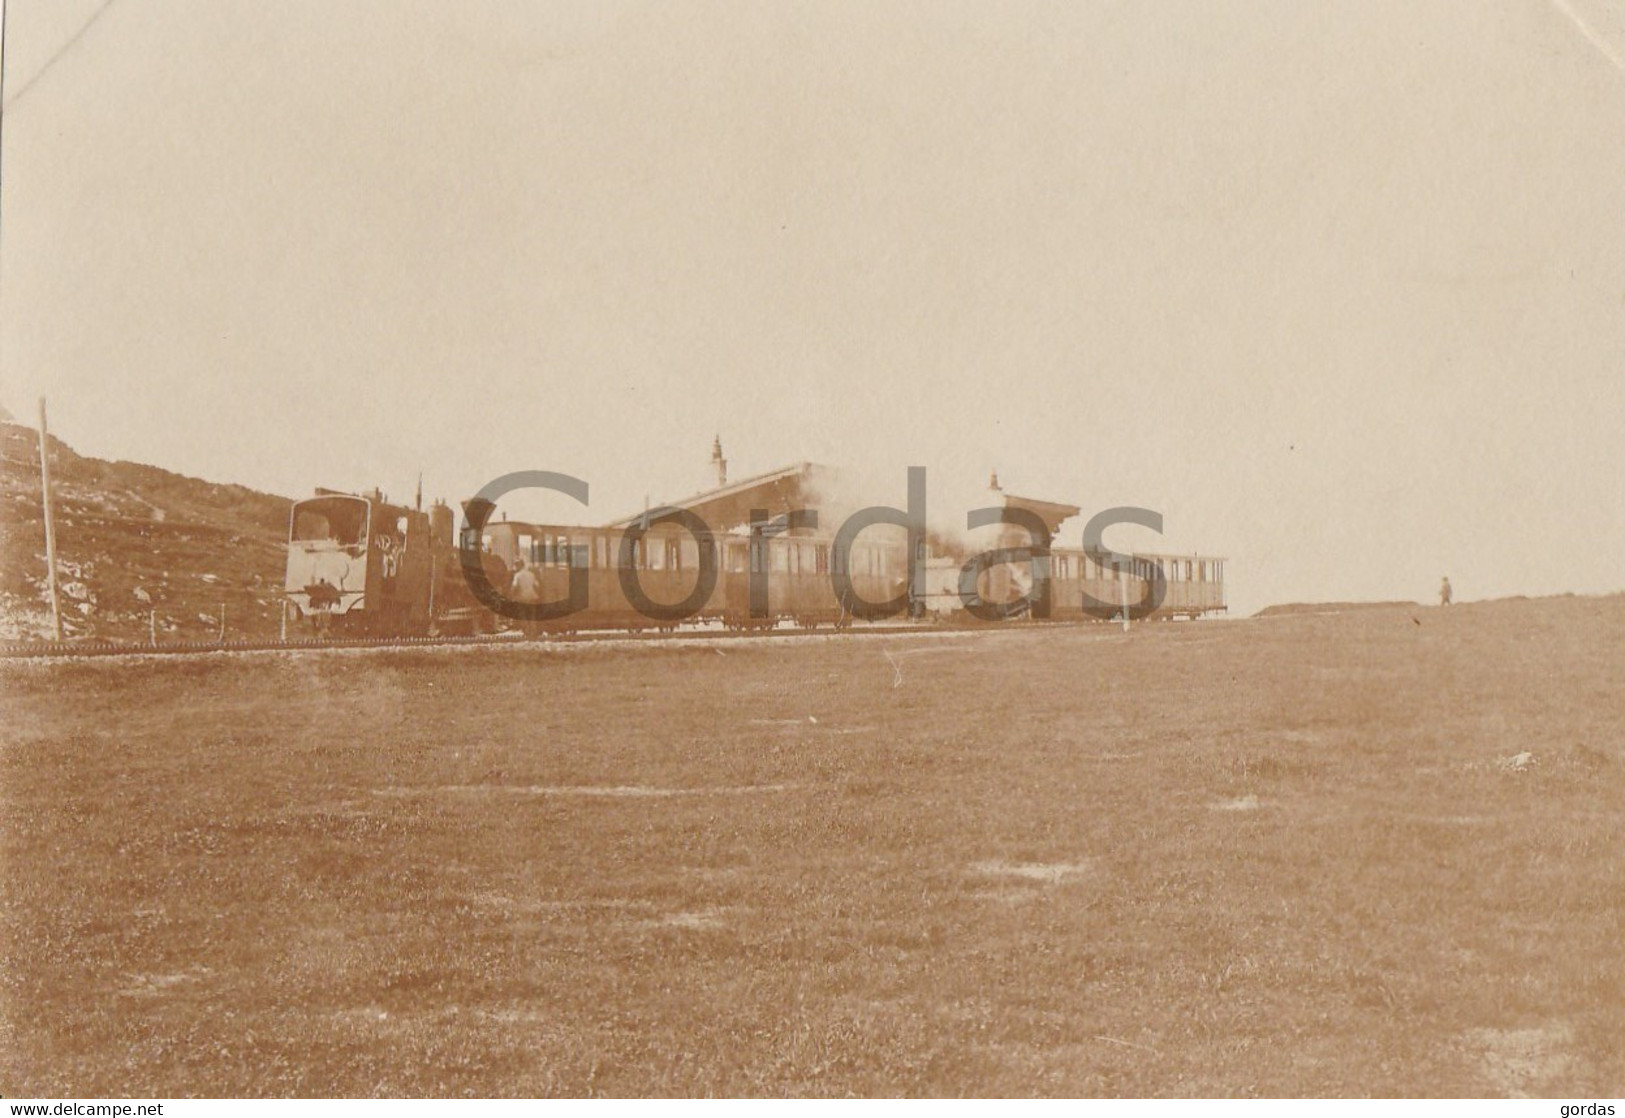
{"x":85,"y":649}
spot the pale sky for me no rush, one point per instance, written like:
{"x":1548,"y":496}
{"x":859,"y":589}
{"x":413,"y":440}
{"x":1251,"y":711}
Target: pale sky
{"x":1339,"y":289}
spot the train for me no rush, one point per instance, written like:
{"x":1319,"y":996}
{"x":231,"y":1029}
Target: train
{"x":359,"y":565}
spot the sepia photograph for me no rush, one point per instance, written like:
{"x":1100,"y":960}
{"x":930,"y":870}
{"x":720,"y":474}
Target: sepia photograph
{"x":811,"y":548}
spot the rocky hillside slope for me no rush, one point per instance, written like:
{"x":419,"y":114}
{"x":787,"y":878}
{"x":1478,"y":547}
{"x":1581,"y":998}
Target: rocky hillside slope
{"x":136,"y":545}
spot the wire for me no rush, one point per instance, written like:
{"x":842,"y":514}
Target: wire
{"x":62,"y":50}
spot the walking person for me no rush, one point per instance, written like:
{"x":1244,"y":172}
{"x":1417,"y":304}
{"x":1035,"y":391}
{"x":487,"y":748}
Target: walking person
{"x":1444,"y":591}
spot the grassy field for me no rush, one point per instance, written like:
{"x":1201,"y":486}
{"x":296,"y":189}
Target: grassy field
{"x":1280,"y":856}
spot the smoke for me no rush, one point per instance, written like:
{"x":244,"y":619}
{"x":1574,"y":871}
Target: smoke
{"x":952,"y":492}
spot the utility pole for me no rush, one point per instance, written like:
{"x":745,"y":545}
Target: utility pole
{"x":50,"y":527}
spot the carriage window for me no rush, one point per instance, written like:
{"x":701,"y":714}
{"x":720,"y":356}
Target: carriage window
{"x":821,"y":558}
{"x":342,"y":520}
{"x":839,"y":558}
{"x":688,"y":554}
{"x":781,"y":557}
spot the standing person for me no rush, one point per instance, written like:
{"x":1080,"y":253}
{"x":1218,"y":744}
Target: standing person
{"x":1444,"y":591}
{"x":527,"y":583}
{"x":527,"y":588}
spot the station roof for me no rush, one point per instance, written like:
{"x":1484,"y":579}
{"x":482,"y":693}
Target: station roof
{"x":1053,"y":513}
{"x":789,"y":487}
{"x":796,"y":487}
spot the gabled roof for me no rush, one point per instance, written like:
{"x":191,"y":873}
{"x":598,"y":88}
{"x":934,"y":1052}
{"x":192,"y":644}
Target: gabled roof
{"x":730,"y":506}
{"x":1053,"y":513}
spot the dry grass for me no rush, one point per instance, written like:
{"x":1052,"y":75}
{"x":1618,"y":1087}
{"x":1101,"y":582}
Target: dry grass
{"x":1276,"y":857}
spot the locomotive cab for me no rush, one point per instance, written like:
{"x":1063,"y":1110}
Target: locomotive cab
{"x":358,"y":564}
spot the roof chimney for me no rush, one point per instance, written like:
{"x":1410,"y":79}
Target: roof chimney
{"x":718,"y":462}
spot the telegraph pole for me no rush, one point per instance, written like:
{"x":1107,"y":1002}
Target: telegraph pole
{"x":50,"y":528}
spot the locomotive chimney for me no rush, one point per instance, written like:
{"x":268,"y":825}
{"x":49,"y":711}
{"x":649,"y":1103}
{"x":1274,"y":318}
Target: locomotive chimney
{"x":718,"y":462}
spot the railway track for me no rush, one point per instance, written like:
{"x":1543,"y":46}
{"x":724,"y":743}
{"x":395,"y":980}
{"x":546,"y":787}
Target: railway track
{"x":67,"y":650}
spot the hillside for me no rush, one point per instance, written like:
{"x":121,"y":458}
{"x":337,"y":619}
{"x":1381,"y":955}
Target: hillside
{"x":1291,"y":608}
{"x":134,"y":540}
